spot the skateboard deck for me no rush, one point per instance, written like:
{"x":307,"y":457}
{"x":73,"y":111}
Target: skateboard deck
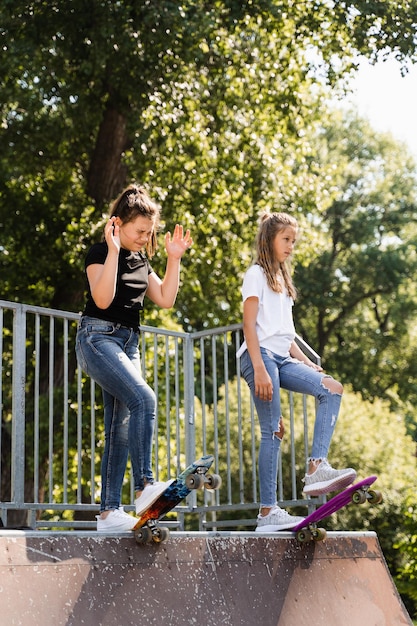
{"x":358,"y":493}
{"x":195,"y":476}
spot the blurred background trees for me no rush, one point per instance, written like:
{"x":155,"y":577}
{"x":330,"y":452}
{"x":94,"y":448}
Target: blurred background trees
{"x":222,"y":109}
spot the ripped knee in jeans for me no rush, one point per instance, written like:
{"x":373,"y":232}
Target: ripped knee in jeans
{"x":279,"y":434}
{"x":332,"y":385}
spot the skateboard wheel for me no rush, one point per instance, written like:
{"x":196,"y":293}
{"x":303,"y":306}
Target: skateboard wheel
{"x":194,"y":481}
{"x":319,"y":534}
{"x":358,"y":497}
{"x":213,"y":481}
{"x":143,"y":535}
{"x":304,"y":535}
{"x":374,"y":497}
{"x":160,"y":535}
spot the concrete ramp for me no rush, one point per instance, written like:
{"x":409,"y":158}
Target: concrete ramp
{"x":227,"y":578}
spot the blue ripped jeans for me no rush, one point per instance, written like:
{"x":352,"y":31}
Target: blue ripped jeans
{"x":293,"y":375}
{"x":109,"y":354}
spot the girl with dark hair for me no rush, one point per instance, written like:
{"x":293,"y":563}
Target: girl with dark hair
{"x":119,"y":276}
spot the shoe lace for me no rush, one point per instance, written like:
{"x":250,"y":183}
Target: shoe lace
{"x":278,"y":513}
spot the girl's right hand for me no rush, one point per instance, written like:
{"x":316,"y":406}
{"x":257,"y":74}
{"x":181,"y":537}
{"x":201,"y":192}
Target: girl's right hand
{"x":111,"y":234}
{"x":263,"y":385}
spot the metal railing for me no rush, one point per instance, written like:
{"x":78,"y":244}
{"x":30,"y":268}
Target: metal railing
{"x":51,"y":437}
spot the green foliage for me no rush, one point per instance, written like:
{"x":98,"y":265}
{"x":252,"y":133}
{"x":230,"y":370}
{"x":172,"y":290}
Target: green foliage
{"x":356,"y":261}
{"x":373,"y":439}
{"x":211,"y":105}
{"x":368,"y":437}
{"x":221,"y":109}
{"x":406,"y":544}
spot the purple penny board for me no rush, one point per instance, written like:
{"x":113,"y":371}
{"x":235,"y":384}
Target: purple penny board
{"x":334,"y":504}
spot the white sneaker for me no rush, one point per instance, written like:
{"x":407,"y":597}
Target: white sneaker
{"x":148,"y":496}
{"x":277,"y":519}
{"x":115,"y":522}
{"x":326,"y":479}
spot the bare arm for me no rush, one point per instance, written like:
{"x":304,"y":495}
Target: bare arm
{"x":297,"y":353}
{"x":263,"y":382}
{"x":102,"y":278}
{"x":164,"y":292}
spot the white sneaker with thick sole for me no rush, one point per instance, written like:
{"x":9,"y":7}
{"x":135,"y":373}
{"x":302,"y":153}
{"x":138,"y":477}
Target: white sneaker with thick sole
{"x":149,"y":495}
{"x":115,"y":522}
{"x":277,"y":519}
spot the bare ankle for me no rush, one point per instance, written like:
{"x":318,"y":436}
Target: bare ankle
{"x":264,"y":510}
{"x":313,"y":465}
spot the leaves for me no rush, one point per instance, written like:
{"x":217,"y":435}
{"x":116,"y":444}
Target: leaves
{"x":222,"y":110}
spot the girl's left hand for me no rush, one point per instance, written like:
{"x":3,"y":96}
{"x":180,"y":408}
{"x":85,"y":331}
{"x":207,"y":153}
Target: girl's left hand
{"x":316,"y":367}
{"x":178,"y":243}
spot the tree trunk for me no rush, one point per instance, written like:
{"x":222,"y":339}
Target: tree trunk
{"x":107,"y":175}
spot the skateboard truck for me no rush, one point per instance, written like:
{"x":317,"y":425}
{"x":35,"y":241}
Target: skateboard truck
{"x":361,"y":495}
{"x":152,"y":532}
{"x":201,"y":480}
{"x":311,"y":533}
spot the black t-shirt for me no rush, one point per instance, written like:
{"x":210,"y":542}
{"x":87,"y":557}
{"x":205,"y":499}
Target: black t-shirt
{"x":132,"y":283}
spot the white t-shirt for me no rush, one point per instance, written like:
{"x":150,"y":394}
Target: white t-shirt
{"x":274,"y":322}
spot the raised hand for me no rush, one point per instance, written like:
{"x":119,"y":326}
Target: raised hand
{"x":178,"y":243}
{"x":111,"y":234}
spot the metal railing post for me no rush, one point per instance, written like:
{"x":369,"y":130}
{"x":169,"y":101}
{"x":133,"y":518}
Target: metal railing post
{"x":18,"y":407}
{"x":207,"y":418}
{"x":189,"y":391}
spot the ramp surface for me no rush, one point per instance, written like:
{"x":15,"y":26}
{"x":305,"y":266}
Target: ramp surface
{"x":228,"y":578}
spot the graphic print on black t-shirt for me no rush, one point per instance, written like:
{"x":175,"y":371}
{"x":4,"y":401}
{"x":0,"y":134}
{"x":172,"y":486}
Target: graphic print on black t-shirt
{"x":132,"y":280}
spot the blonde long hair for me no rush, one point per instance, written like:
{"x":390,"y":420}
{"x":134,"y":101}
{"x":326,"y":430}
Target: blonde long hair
{"x":269,"y":225}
